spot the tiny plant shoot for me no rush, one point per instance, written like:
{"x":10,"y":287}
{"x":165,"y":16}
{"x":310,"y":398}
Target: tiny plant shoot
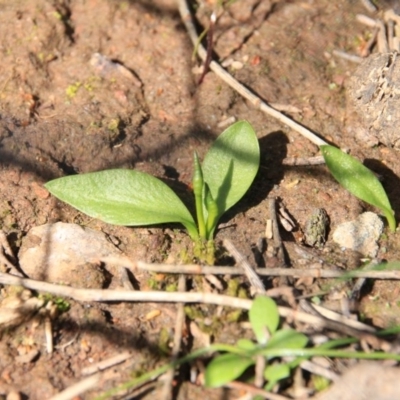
{"x":358,"y":180}
{"x":133,"y":198}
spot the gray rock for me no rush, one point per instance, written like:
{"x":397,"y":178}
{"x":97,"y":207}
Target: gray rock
{"x":360,"y":235}
{"x":365,"y":381}
{"x":65,"y":253}
{"x":374,"y":92}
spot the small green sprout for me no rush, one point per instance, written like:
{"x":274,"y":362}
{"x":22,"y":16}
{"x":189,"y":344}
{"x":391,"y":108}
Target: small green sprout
{"x":133,"y":198}
{"x":264,"y":319}
{"x":283,"y":349}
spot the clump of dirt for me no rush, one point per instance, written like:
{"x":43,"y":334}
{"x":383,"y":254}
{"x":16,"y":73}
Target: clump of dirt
{"x":374,"y":94}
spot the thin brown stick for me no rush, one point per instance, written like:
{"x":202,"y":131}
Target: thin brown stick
{"x":169,"y":376}
{"x":348,"y":330}
{"x":100,"y":295}
{"x":391,"y":15}
{"x":255,"y":390}
{"x":48,"y":332}
{"x":348,"y":57}
{"x":7,"y":257}
{"x":319,"y":370}
{"x":275,"y":228}
{"x":255,"y":281}
{"x":78,"y":388}
{"x":124,"y":295}
{"x":105,"y":364}
{"x":210,"y":35}
{"x":194,"y":269}
{"x":259,"y":369}
{"x":368,"y":21}
{"x":369,"y":6}
{"x":241,"y":89}
{"x":292,"y":161}
{"x":383,"y":45}
{"x":334,"y":316}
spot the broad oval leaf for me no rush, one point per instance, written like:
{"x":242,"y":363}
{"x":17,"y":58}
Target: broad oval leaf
{"x":264,"y":318}
{"x":231,"y":164}
{"x":358,"y":180}
{"x":123,"y":197}
{"x":226,"y":368}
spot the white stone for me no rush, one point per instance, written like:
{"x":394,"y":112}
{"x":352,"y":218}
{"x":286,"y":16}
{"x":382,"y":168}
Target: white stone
{"x":360,"y":235}
{"x":65,"y":253}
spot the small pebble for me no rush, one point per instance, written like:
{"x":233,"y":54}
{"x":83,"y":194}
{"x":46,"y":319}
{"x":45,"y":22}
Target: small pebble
{"x":13,"y":395}
{"x":360,"y":235}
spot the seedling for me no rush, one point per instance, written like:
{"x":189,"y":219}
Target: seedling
{"x":264,"y":319}
{"x":283,"y":349}
{"x":133,"y":198}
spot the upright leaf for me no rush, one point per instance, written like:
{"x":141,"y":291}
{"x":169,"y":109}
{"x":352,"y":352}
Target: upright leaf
{"x":231,"y":164}
{"x":264,"y":318}
{"x":123,"y":197}
{"x":358,"y":180}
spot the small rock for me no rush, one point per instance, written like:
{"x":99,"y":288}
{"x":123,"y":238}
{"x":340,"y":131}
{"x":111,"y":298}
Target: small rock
{"x":364,"y":381}
{"x":316,"y":228}
{"x":360,"y":235}
{"x":373,"y":91}
{"x":14,"y":395}
{"x":65,"y":253}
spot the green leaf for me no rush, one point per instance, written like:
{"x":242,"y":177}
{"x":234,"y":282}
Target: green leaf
{"x":246,"y":344}
{"x":264,"y":318}
{"x":123,"y":197}
{"x":287,"y":339}
{"x":275,"y":373}
{"x":226,"y":368}
{"x":231,"y":164}
{"x":358,"y":180}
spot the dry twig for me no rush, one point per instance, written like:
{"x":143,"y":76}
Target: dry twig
{"x":369,"y":6}
{"x":347,"y":328}
{"x":194,"y":269}
{"x":105,"y":364}
{"x":169,"y":376}
{"x":152,"y":296}
{"x":292,"y":161}
{"x":7,"y":257}
{"x":255,"y":390}
{"x":319,"y":370}
{"x":255,"y":281}
{"x":275,"y":230}
{"x":74,"y":391}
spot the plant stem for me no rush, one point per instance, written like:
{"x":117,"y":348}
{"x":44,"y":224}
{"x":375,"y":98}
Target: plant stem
{"x":198,"y":187}
{"x":212,"y":212}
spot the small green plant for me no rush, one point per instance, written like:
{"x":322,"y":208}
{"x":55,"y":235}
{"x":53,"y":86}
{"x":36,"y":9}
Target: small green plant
{"x":132,"y":198}
{"x":275,"y":345}
{"x":358,"y":180}
{"x":264,"y":319}
{"x":283,"y":349}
